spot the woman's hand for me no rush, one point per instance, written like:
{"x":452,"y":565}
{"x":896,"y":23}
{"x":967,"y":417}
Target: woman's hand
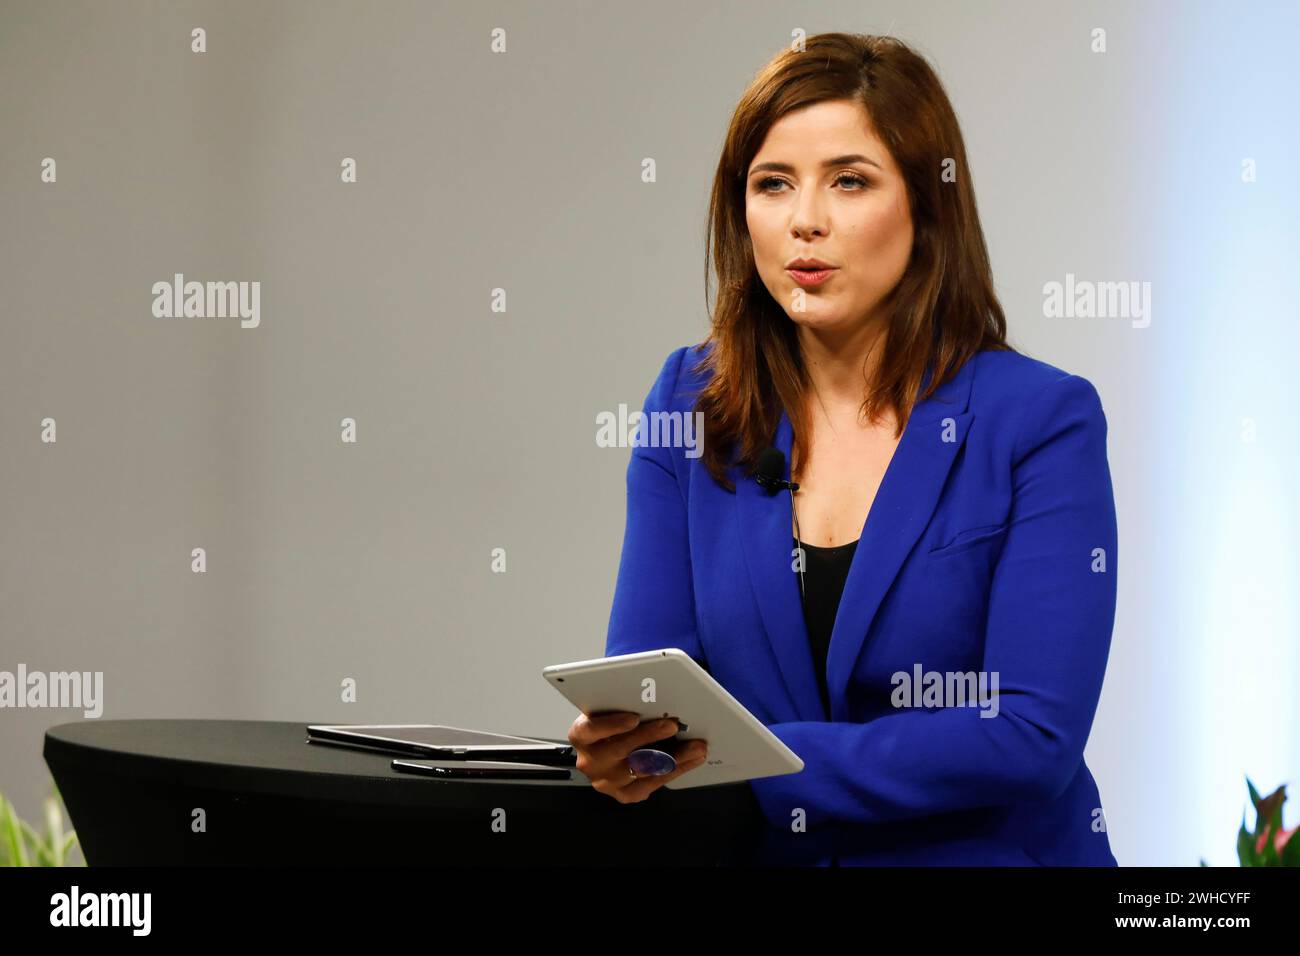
{"x":603,"y":743}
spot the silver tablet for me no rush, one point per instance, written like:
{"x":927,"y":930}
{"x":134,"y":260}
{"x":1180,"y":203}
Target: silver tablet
{"x":669,"y":683}
{"x":439,"y":740}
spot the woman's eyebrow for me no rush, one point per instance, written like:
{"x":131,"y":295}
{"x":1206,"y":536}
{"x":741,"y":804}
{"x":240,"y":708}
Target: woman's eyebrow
{"x":833,"y":161}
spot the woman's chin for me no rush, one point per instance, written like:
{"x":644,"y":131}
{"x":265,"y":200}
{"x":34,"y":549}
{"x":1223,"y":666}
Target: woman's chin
{"x":815,"y":322}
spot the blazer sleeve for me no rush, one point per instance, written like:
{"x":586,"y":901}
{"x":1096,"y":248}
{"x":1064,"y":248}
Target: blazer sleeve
{"x":1050,"y":613}
{"x":654,"y":597}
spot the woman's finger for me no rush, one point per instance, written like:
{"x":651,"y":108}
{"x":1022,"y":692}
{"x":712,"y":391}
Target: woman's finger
{"x":588,"y":730}
{"x":616,"y":748}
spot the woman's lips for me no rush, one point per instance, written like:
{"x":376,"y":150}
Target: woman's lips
{"x":810,"y":277}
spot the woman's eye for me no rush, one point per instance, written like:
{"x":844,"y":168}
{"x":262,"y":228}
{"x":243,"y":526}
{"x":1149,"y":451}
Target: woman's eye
{"x":767,"y":185}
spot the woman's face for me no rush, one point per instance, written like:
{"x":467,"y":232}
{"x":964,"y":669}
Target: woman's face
{"x":823,"y":186}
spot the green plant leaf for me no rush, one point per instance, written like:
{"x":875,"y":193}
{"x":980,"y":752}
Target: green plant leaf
{"x":1269,"y":810}
{"x":1291,"y":852}
{"x":5,"y":858}
{"x":1268,"y":856}
{"x":66,"y":851}
{"x":1245,"y":844}
{"x":40,"y":851}
{"x":54,"y":830}
{"x":12,"y":834}
{"x":22,"y":845}
{"x":1254,"y":794}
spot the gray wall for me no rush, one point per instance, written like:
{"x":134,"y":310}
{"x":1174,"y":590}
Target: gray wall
{"x":476,"y":429}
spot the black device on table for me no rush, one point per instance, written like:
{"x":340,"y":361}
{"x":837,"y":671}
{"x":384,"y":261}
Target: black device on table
{"x":482,"y":769}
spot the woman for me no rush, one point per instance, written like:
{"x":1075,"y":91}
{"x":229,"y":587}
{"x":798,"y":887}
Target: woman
{"x":956,"y":490}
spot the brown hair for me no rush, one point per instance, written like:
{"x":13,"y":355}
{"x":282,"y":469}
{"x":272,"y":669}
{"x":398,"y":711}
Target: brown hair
{"x":943,"y":310}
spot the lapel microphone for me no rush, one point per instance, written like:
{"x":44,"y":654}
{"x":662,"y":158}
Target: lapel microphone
{"x":771,"y":466}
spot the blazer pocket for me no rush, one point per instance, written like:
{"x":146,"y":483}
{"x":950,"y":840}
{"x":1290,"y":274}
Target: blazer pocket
{"x":970,"y":538}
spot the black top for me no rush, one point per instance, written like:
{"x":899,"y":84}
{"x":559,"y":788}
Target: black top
{"x":825,"y":570}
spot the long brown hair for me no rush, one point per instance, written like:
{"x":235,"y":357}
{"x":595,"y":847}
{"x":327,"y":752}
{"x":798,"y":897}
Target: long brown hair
{"x":943,"y":310}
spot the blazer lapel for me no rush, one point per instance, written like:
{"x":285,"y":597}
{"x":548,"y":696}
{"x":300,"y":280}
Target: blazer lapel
{"x":903,"y":506}
{"x":766,"y":532}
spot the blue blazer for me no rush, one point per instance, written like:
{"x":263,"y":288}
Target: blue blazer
{"x":991,"y":545}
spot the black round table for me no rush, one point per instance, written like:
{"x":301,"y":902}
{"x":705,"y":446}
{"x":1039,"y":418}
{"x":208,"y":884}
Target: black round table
{"x":137,"y":789}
